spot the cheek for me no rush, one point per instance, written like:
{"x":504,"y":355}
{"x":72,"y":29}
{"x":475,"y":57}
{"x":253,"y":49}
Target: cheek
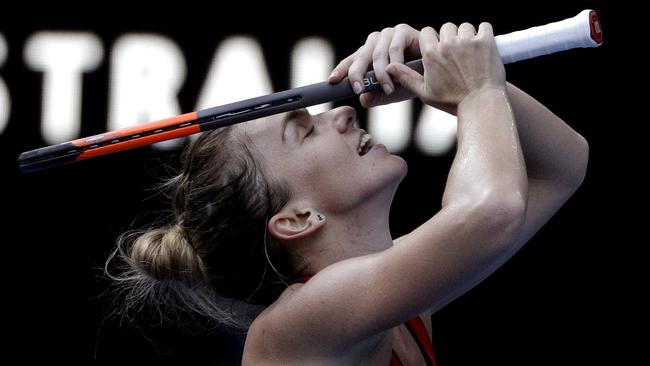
{"x":328,"y":167}
{"x":328,"y":156}
{"x":330,"y":170}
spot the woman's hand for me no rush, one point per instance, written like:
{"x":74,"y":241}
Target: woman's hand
{"x":456,"y":63}
{"x":391,"y":45}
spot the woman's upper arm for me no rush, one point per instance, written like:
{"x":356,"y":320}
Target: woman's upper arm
{"x":353,"y":299}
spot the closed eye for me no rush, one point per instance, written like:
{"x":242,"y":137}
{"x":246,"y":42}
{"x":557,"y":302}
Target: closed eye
{"x":310,"y":131}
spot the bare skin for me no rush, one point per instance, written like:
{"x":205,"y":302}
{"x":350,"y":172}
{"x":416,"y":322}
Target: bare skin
{"x":366,"y":284}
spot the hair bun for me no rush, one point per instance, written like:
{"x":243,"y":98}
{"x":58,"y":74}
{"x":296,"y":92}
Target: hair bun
{"x":166,"y":255}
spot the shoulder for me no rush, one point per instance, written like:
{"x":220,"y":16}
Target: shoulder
{"x":265,"y":334}
{"x":266,"y":318}
{"x":291,"y":313}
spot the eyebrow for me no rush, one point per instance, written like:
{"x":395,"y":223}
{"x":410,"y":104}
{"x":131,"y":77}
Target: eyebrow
{"x":284,"y":126}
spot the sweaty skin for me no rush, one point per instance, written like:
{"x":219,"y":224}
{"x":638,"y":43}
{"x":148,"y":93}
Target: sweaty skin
{"x":511,"y":173}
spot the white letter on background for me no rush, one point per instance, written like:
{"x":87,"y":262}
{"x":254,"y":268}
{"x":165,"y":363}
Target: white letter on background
{"x":391,"y":125}
{"x":312,"y":60}
{"x":5,"y":104}
{"x":436,"y":131}
{"x":237,"y":72}
{"x":62,"y":57}
{"x":147,"y":71}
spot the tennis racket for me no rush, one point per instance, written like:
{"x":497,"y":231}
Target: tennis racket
{"x":583,"y":30}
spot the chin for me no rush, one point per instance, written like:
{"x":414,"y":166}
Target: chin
{"x":393,"y":172}
{"x":400,"y":166}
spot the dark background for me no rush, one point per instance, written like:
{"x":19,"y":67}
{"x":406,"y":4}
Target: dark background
{"x":553,"y":302}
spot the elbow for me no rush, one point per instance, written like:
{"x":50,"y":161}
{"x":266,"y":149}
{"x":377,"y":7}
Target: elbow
{"x":582,"y":161}
{"x":501,"y":215}
{"x":573,"y":179}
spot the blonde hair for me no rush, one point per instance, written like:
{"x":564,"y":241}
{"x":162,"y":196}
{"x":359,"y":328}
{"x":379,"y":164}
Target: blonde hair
{"x":165,"y":254}
{"x":215,"y":254}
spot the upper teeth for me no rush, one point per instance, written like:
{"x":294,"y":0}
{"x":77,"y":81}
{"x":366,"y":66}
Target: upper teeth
{"x":364,"y":140}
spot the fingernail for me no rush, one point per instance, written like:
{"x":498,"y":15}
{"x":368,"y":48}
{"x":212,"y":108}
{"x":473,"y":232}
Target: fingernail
{"x":387,"y":88}
{"x":356,"y":86}
{"x":333,"y":74}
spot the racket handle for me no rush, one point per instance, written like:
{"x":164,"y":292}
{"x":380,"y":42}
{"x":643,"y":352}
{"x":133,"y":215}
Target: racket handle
{"x":581,"y":31}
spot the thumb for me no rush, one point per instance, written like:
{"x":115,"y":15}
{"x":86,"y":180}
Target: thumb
{"x":408,"y":78}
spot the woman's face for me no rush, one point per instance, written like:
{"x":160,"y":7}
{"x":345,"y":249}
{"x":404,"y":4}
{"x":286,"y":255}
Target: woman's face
{"x":317,"y":155}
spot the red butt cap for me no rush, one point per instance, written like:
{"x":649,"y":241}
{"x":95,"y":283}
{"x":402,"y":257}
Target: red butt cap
{"x":596,"y":28}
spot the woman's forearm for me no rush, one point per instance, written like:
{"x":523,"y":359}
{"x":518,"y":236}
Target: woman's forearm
{"x":553,"y":151}
{"x":489,"y":157}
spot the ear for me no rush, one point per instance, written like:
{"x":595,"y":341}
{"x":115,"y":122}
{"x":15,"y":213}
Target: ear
{"x":293,"y":223}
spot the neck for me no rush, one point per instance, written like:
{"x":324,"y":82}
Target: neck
{"x":361,"y":231}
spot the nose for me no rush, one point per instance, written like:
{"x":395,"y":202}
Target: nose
{"x":341,"y":117}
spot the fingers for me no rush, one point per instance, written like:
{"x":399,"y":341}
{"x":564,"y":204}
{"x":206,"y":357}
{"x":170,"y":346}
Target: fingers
{"x":391,"y":45}
{"x":380,"y":60}
{"x":405,"y":41}
{"x":466,"y":31}
{"x":362,"y":59}
{"x":408,"y":78}
{"x":341,"y":69}
{"x":485,"y":30}
{"x":428,"y":42}
{"x":380,"y":49}
{"x":448,"y":32}
{"x":396,"y":47}
{"x":368,"y":100}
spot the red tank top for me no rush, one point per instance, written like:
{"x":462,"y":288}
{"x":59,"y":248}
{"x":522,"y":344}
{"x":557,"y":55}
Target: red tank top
{"x":418,"y":330}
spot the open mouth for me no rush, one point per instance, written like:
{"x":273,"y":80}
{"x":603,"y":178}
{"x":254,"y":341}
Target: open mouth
{"x":365,"y":144}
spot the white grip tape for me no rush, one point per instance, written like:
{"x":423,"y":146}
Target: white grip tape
{"x":553,"y":37}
